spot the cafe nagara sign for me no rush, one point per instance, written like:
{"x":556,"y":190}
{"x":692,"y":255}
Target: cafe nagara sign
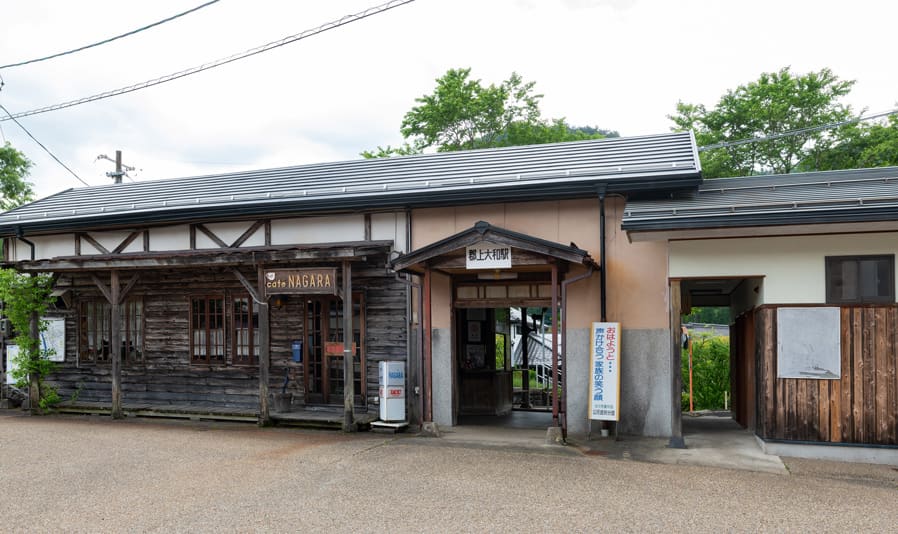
{"x":300,"y":281}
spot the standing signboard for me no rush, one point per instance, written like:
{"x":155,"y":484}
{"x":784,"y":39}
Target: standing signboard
{"x":604,"y":367}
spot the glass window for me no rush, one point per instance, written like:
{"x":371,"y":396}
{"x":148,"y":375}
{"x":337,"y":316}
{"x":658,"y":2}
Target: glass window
{"x":860,"y":279}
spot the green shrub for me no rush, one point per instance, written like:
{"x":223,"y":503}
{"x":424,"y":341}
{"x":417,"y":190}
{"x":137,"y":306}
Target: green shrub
{"x":710,"y":372}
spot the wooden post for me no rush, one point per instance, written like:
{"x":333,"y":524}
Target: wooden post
{"x":348,"y":356}
{"x":428,"y":349}
{"x":676,"y":421}
{"x":115,"y":343}
{"x":264,"y":353}
{"x":554,"y":344}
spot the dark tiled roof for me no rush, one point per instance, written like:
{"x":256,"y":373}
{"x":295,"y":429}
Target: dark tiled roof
{"x":560,"y":170}
{"x":816,"y":197}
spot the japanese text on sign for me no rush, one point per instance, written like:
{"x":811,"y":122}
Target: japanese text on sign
{"x":488,"y":256}
{"x":604,"y":391}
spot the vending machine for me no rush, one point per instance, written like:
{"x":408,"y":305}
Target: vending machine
{"x":391,"y":391}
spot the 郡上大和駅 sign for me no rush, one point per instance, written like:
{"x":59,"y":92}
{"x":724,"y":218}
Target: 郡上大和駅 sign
{"x":300,"y":281}
{"x":604,"y":369}
{"x":488,"y":256}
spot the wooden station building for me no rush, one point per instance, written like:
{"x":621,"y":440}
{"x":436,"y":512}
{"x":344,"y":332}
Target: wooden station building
{"x":214,"y":294}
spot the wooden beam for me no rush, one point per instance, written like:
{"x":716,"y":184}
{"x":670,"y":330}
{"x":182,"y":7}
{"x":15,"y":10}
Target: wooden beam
{"x":367,"y":227}
{"x":104,"y":289}
{"x":95,"y":243}
{"x":249,"y":287}
{"x":247,"y":234}
{"x":127,"y":241}
{"x":115,"y":343}
{"x":34,"y":392}
{"x":268,"y":233}
{"x":146,"y":240}
{"x":192,"y":236}
{"x":555,"y":388}
{"x":211,"y":235}
{"x":264,"y":355}
{"x":348,"y":356}
{"x":77,"y":244}
{"x":123,"y":294}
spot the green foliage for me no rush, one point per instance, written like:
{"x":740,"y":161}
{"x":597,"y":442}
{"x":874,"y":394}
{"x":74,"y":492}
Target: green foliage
{"x":713,"y":315}
{"x":24,"y":295}
{"x":500,"y":351}
{"x":775,"y":103}
{"x":862,"y":145}
{"x":517,"y":379}
{"x":463,"y":113}
{"x":14,"y":190}
{"x":710,"y":372}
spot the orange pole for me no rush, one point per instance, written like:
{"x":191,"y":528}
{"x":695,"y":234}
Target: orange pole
{"x":691,"y":408}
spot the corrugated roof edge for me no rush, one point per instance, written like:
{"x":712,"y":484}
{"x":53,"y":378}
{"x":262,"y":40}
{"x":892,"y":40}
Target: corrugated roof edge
{"x":724,"y":212}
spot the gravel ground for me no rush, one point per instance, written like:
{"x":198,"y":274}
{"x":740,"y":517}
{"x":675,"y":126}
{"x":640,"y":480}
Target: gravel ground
{"x":91,"y":474}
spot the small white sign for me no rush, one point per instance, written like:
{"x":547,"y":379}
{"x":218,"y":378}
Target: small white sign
{"x":604,"y":367}
{"x":53,"y":339}
{"x":488,"y":256}
{"x":11,"y":352}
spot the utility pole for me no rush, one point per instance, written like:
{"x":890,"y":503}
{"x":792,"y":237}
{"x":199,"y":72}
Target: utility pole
{"x":120,"y":169}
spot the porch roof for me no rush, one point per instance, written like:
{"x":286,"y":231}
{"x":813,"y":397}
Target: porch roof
{"x":219,"y":257}
{"x":483,"y":231}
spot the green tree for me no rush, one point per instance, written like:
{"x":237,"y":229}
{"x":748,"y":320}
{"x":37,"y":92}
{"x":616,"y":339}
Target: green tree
{"x":710,"y":372}
{"x":862,"y":145}
{"x":463,"y":113}
{"x":14,"y":167}
{"x":26,"y":297}
{"x":775,"y":103}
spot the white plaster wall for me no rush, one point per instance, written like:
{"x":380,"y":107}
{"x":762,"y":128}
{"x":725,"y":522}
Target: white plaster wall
{"x":170,"y":238}
{"x":45,"y":247}
{"x":390,"y":226}
{"x":110,"y":240}
{"x":307,"y":230}
{"x":229,"y":232}
{"x":747,"y":295}
{"x":793,"y":267}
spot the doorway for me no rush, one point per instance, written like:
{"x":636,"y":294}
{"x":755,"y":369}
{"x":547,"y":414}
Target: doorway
{"x":323,"y":327}
{"x":504,"y":366}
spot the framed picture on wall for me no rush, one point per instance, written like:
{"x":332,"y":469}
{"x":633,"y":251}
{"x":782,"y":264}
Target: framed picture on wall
{"x":474,"y":331}
{"x":474,"y":356}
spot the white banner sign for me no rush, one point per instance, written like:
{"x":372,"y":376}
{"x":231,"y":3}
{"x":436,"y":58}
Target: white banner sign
{"x":488,"y":256}
{"x":604,"y":366}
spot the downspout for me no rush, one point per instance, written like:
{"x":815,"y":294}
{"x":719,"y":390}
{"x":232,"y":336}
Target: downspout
{"x":419,"y":337}
{"x":564,"y":285}
{"x":20,"y":235}
{"x":602,"y":280}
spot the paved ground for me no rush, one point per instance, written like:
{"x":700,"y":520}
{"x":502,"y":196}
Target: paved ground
{"x":92,"y":474}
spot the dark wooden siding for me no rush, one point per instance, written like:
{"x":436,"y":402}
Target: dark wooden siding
{"x":742,"y":365}
{"x":166,"y":375}
{"x":860,"y":407}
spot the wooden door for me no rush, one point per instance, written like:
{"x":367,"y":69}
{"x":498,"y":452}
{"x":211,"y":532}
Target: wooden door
{"x":323,"y":327}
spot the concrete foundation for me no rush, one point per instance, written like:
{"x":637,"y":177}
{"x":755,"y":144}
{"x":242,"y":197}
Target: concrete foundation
{"x":645,"y":383}
{"x":442,"y":376}
{"x":838,"y":453}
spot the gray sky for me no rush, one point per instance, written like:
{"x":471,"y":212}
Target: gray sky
{"x":616,"y":64}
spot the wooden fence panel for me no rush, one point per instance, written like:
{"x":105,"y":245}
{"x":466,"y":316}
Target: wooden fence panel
{"x":860,"y":407}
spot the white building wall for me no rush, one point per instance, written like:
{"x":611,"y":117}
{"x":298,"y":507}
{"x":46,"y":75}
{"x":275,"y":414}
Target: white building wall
{"x":793,"y":267}
{"x":390,"y":226}
{"x":164,"y":238}
{"x":307,"y":230}
{"x":229,"y":232}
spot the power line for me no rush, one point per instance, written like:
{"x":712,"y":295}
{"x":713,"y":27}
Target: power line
{"x":47,"y":150}
{"x":791,"y":133}
{"x":132,"y":32}
{"x":219,"y":62}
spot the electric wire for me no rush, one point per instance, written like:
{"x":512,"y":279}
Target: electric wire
{"x":791,"y":133}
{"x":47,"y":150}
{"x":105,"y":41}
{"x":371,"y":11}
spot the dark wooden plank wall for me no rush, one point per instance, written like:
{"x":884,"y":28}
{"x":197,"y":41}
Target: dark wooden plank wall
{"x":743,"y":378}
{"x":860,"y":407}
{"x":167,"y":377}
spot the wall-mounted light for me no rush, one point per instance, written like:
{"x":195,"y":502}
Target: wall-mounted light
{"x":279,"y":301}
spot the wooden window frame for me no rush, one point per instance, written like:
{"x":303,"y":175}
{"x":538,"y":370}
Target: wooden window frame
{"x":89,"y":307}
{"x":252,"y":317}
{"x":207,"y":358}
{"x":230,"y":344}
{"x":879,"y":299}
